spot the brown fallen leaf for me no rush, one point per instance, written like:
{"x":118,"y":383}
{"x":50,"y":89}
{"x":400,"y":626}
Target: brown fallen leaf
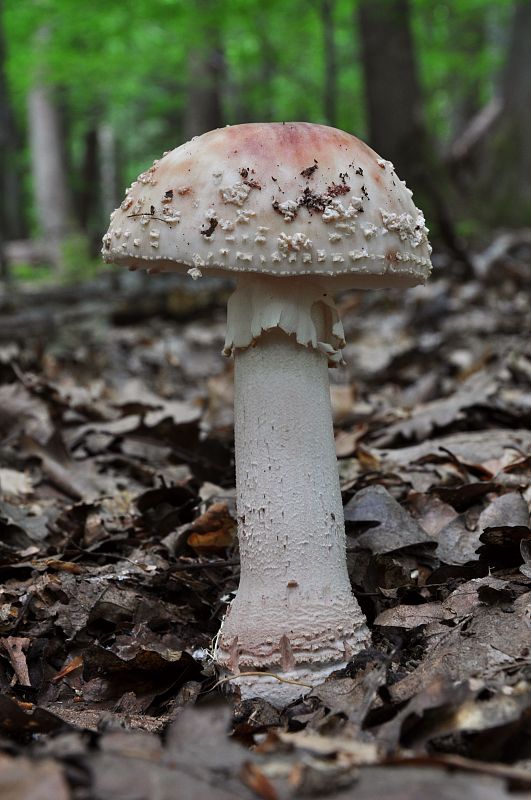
{"x":21,"y":413}
{"x":353,"y":696}
{"x":507,"y":509}
{"x":73,"y":664}
{"x":253,"y":777}
{"x":377,"y":522}
{"x":14,"y":721}
{"x":493,"y":641}
{"x":212,"y":531}
{"x":60,"y":566}
{"x":525,"y":551}
{"x":430,"y":512}
{"x":440,"y":413}
{"x":346,"y":441}
{"x":457,"y":544}
{"x":25,"y":706}
{"x":404,"y":616}
{"x":24,"y":779}
{"x":14,"y":483}
{"x":354,"y":751}
{"x":521,"y":777}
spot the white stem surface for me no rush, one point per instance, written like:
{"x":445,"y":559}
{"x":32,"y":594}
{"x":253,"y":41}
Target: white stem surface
{"x":294,"y":613}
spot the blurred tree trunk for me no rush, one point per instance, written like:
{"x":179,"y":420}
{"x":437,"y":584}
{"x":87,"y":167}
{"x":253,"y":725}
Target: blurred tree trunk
{"x":48,"y":159}
{"x":4,"y":267}
{"x":268,"y":66}
{"x":392,"y":90}
{"x":491,"y":159}
{"x":470,"y":36}
{"x":108,"y":169}
{"x":5,"y":130}
{"x":11,"y":220}
{"x":109,"y":196}
{"x":88,"y":194}
{"x":508,"y":151}
{"x":206,"y":68}
{"x":329,"y":48}
{"x":395,"y":111}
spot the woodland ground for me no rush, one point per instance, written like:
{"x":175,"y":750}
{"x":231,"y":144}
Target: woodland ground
{"x":118,"y":551}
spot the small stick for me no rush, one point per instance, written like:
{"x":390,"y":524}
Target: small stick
{"x":15,"y":646}
{"x":260,"y":674}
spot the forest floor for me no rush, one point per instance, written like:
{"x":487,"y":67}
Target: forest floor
{"x":118,"y":551}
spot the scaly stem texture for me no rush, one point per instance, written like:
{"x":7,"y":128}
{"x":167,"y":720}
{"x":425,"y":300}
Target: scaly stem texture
{"x":294,"y":606}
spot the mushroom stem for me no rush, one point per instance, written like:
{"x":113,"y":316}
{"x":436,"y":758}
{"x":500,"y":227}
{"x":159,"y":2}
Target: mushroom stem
{"x":294,"y":613}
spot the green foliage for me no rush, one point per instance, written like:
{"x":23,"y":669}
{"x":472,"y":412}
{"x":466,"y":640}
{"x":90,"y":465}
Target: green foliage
{"x":460,"y":46}
{"x":45,"y":274}
{"x":125,"y":63}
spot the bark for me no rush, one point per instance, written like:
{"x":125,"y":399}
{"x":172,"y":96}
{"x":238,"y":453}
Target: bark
{"x":394,"y":102}
{"x":267,"y":69}
{"x":330,"y":74}
{"x":50,"y":186}
{"x":206,"y":67}
{"x":203,"y":105}
{"x":10,"y":197}
{"x":469,"y":34}
{"x":510,"y":152}
{"x":516,"y":85}
{"x":4,"y":268}
{"x":109,"y":197}
{"x":392,"y":90}
{"x":88,"y":195}
{"x":479,"y":127}
{"x":491,"y":160}
{"x":108,"y":169}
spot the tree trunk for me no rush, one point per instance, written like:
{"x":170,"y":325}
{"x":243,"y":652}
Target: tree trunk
{"x":109,"y":197}
{"x":392,"y":90}
{"x":11,"y":223}
{"x":88,"y":194}
{"x":330,"y":67}
{"x":108,"y":169}
{"x":469,"y":35}
{"x":491,"y":159}
{"x":206,"y":67}
{"x":50,"y":185}
{"x":267,"y":68}
{"x":517,"y":85}
{"x":397,"y":128}
{"x":509,"y":152}
{"x":5,"y":127}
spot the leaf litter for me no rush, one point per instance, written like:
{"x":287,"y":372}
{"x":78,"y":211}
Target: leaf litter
{"x":118,"y":551}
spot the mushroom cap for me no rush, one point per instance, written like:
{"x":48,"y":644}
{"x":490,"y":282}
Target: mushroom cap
{"x":282,"y":199}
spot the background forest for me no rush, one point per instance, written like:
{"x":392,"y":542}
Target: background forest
{"x":91,"y":93}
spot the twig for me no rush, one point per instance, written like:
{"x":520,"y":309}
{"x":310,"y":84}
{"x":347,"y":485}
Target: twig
{"x":15,"y":647}
{"x":232,"y":562}
{"x":460,"y":762}
{"x":260,"y":674}
{"x":151,"y":216}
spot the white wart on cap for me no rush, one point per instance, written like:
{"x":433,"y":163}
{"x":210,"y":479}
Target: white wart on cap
{"x":281,"y":199}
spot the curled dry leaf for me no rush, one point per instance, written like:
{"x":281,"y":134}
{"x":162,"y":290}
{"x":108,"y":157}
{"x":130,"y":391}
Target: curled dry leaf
{"x":377,"y":522}
{"x":212,"y":531}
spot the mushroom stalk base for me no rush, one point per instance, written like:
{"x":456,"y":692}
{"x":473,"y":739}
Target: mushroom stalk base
{"x":294,"y":614}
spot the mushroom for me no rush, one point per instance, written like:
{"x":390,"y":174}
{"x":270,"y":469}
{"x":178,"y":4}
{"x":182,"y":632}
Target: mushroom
{"x":293,"y":212}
